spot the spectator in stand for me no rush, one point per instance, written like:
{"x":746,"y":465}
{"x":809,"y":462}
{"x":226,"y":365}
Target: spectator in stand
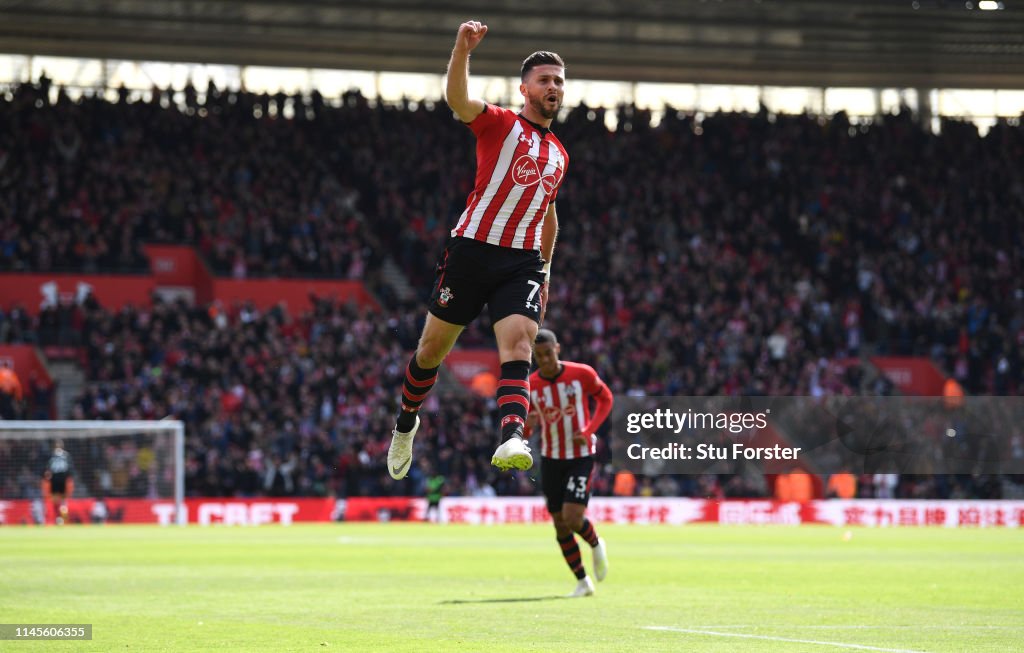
{"x":842,"y":485}
{"x":42,"y":394}
{"x":795,"y":485}
{"x":10,"y":392}
{"x":625,"y":484}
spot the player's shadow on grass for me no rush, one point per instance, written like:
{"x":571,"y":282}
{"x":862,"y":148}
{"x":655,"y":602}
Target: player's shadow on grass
{"x":523,"y":599}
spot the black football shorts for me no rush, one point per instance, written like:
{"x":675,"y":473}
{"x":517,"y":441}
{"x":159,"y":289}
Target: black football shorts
{"x":566,"y":481}
{"x":472,"y":273}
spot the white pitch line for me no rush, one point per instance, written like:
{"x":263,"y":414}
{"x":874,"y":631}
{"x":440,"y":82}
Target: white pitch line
{"x":885,"y":627}
{"x":858,"y":647}
{"x":866,"y":627}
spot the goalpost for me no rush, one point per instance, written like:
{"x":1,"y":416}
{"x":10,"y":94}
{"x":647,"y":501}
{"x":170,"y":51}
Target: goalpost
{"x":109,"y":460}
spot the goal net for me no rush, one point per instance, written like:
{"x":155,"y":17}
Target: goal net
{"x":91,"y":471}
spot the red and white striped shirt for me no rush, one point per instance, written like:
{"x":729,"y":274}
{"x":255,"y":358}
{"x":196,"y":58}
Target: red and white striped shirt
{"x":563,"y":404}
{"x":519,"y":169}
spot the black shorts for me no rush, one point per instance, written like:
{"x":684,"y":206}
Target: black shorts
{"x":566,"y":481}
{"x":59,"y":484}
{"x":7,"y":407}
{"x":472,"y":273}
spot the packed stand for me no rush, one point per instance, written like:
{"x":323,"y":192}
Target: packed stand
{"x":276,"y":405}
{"x":85,"y":184}
{"x":741,"y":254}
{"x":280,"y":406}
{"x":819,"y":237}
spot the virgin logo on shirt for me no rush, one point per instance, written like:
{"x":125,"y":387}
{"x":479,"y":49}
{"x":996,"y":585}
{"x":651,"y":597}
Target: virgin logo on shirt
{"x":525,"y":171}
{"x":549,"y":182}
{"x":553,"y":413}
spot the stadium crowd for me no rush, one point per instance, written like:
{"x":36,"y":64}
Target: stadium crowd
{"x":735,"y":254}
{"x":84,"y":184}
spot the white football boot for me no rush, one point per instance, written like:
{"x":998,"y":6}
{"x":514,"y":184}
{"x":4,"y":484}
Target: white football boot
{"x":600,"y":560}
{"x":583,"y":588}
{"x":400,"y":451}
{"x":513,"y":453}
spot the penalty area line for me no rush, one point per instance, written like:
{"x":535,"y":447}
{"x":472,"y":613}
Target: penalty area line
{"x":715,"y":633}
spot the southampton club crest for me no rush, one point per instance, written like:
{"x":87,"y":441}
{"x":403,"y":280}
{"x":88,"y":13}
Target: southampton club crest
{"x":444,"y":296}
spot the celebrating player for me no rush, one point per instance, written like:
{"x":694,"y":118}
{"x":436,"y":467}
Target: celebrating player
{"x":561,"y":393}
{"x":500,"y":250}
{"x":57,"y":482}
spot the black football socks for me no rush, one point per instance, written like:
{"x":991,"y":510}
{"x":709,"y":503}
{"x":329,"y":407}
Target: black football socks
{"x":513,"y":397}
{"x":571,"y":553}
{"x":418,"y":383}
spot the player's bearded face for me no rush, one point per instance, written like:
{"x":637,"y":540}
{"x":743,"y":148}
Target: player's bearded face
{"x":544,"y":88}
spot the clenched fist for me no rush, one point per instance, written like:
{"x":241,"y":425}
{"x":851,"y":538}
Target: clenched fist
{"x":470,"y":34}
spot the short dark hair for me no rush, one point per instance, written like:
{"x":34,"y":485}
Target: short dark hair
{"x":540,"y":58}
{"x":545,"y":336}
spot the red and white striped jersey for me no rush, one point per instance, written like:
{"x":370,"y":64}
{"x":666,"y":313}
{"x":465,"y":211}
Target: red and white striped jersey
{"x":519,"y":169}
{"x":563,"y":404}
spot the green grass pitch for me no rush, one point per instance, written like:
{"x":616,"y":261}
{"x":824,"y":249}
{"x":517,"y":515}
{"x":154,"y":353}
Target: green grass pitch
{"x":421,"y":587}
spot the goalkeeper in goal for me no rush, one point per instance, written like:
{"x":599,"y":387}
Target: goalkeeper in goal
{"x":58,"y":483}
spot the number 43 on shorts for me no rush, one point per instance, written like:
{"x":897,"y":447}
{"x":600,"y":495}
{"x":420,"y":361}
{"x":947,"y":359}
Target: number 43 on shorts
{"x":578,"y":486}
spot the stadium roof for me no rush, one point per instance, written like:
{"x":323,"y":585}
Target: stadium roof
{"x":877,"y":43}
